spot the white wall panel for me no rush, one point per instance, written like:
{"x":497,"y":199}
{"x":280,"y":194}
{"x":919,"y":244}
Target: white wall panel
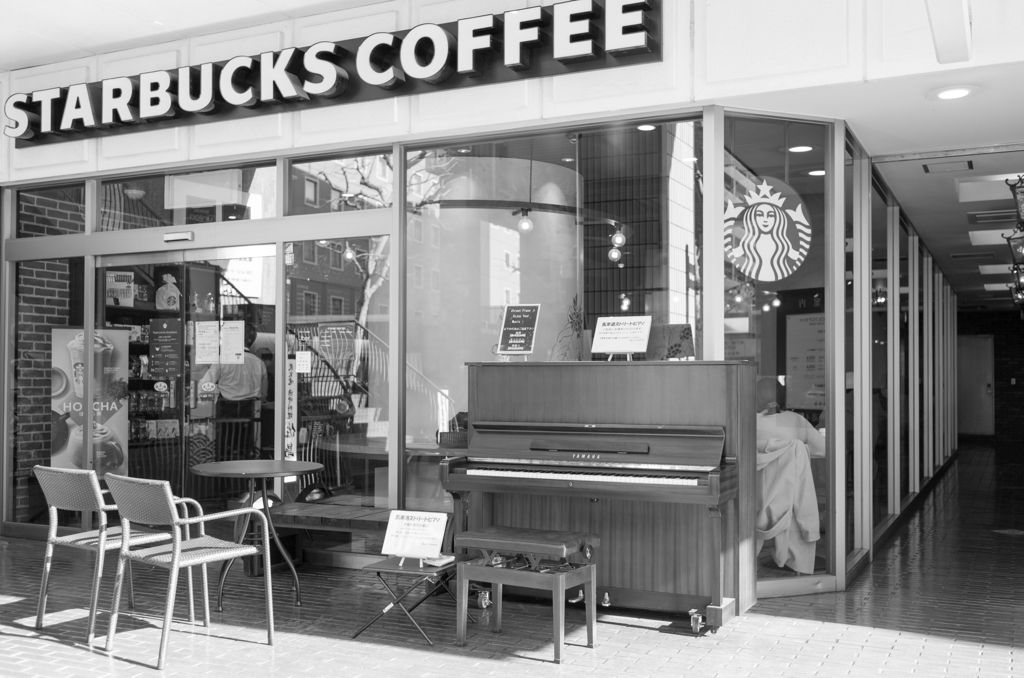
{"x":152,"y":147}
{"x":666,"y":83}
{"x":5,"y":145}
{"x":899,"y":40}
{"x":52,"y":160}
{"x":247,"y":135}
{"x":386,"y":118}
{"x":996,"y":31}
{"x":745,"y":46}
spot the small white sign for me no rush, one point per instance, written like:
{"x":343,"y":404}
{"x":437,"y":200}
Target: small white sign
{"x":415,"y":534}
{"x":303,"y":362}
{"x":207,"y":342}
{"x":232,"y":342}
{"x":624,"y":334}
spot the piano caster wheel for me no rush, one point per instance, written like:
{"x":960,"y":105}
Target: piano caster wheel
{"x":483,"y":600}
{"x":695,"y":622}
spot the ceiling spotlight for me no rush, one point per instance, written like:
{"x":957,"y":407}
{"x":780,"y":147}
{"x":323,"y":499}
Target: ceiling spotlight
{"x":776,"y":302}
{"x":816,"y":173}
{"x":646,"y":128}
{"x":950,"y":93}
{"x":614,"y":254}
{"x":618,"y":239}
{"x":801,"y":149}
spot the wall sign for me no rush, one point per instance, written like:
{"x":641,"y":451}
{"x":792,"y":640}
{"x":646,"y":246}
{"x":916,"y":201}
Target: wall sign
{"x":518,"y":329}
{"x":532,"y":42}
{"x":764,"y":240}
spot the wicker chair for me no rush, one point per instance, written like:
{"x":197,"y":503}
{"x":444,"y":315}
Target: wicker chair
{"x":77,"y":490}
{"x":150,"y":502}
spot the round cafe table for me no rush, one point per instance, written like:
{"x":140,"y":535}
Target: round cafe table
{"x":251,"y":470}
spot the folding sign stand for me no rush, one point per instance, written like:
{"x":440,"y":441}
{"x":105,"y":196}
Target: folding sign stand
{"x":415,"y":536}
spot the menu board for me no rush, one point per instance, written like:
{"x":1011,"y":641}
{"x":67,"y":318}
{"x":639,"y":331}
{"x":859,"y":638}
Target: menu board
{"x":165,"y":347}
{"x":806,"y":368}
{"x":518,"y":329}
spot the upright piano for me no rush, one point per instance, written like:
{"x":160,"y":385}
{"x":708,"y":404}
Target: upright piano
{"x":655,"y":457}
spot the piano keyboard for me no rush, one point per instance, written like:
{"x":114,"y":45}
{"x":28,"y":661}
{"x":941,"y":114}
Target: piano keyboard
{"x":583,"y":477}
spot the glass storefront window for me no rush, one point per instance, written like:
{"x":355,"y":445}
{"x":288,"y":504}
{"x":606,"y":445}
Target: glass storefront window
{"x":775,"y":224}
{"x":340,"y":184}
{"x":230,"y":194}
{"x":51,"y":211}
{"x":48,"y":314}
{"x":904,"y":362}
{"x":587,"y":224}
{"x":337,"y":412}
{"x":879,"y":356}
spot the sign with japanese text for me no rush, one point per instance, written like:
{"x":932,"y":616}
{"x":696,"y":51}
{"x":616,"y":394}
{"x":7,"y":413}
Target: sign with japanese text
{"x":291,"y":412}
{"x":415,"y":534}
{"x":624,"y":334}
{"x":806,"y":366}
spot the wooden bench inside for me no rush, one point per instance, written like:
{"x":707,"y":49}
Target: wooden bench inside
{"x":342,"y":513}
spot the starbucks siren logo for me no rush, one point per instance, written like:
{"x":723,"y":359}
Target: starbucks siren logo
{"x":762,"y":239}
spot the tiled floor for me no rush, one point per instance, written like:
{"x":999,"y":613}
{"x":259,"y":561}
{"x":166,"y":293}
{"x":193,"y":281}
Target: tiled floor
{"x":945,"y":598}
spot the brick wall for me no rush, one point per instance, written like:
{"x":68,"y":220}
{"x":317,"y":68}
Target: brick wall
{"x":1006,"y":329}
{"x":44,"y":300}
{"x":51,"y":211}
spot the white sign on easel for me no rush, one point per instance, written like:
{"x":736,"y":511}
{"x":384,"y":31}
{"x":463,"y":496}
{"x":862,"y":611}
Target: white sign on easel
{"x":623,"y":334}
{"x":415,"y":534}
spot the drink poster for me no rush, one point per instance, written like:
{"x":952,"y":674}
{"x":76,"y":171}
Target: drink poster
{"x":518,"y":329}
{"x":165,"y":347}
{"x":806,"y":367}
{"x":109,"y":376}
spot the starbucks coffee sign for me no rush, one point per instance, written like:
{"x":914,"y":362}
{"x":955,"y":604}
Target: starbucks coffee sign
{"x":533,"y":42}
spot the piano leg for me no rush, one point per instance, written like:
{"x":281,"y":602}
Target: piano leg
{"x":721,"y":609}
{"x":460,"y":507}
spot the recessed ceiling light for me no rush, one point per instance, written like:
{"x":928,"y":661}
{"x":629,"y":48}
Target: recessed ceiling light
{"x":816,"y":173}
{"x":462,"y":151}
{"x":801,"y":149}
{"x":954,"y":92}
{"x":568,"y":159}
{"x":646,"y":128}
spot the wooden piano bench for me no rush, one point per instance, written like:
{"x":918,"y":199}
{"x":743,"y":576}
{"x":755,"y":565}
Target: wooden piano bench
{"x":535,"y":559}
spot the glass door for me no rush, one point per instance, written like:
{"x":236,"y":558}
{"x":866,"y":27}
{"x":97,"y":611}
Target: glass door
{"x":183,"y":355}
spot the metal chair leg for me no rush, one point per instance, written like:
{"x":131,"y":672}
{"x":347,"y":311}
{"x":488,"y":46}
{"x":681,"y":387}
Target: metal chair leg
{"x":131,"y":586}
{"x":165,"y":635}
{"x":206,"y":598}
{"x":41,"y":607}
{"x":267,"y":587}
{"x":115,"y":604}
{"x":94,"y":598}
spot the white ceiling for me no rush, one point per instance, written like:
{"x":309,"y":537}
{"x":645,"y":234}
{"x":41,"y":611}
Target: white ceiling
{"x":889,"y":117}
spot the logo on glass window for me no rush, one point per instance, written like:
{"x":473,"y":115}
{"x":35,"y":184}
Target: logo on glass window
{"x":763,"y":239}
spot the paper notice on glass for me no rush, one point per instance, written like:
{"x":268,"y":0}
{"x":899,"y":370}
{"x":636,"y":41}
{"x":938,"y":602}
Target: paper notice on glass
{"x":623,"y":334}
{"x":232,"y":342}
{"x":303,"y":362}
{"x":414,"y":534}
{"x":207,"y":342}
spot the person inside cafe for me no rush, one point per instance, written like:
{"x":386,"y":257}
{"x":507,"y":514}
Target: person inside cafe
{"x":240,"y":391}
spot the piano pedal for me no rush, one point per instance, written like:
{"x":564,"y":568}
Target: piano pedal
{"x":606,"y":601}
{"x":578,"y":599}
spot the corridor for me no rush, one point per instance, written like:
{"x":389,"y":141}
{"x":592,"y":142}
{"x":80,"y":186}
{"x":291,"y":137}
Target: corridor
{"x":944,"y":598}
